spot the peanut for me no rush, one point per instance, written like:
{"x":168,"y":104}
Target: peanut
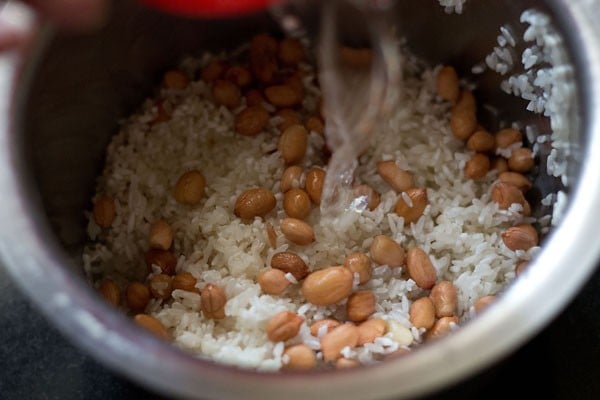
{"x":254,"y":98}
{"x":297,"y":231}
{"x":263,"y":57}
{"x":399,"y":179}
{"x":213,"y":71}
{"x":419,"y":200}
{"x":466,"y":101}
{"x":521,"y":266}
{"x":360,"y":264}
{"x":137,"y":296}
{"x":370,"y":330}
{"x":152,"y":325}
{"x":521,"y":160}
{"x":256,"y":202}
{"x":360,"y":306}
{"x":283,"y":326}
{"x":291,"y":178}
{"x":189,"y":188}
{"x":400,"y":333}
{"x":463,"y":123}
{"x":239,"y":76}
{"x":161,"y":235}
{"x":104,"y":211}
{"x":520,"y":237}
{"x":161,"y":258}
{"x":447,"y":84}
{"x":444,"y":298}
{"x":175,"y":79}
{"x":161,"y":114}
{"x":316,"y":327}
{"x":477,"y":166}
{"x":420,"y":269}
{"x":422,"y":313}
{"x":499,"y":164}
{"x":441,"y":327}
{"x":225,"y":93}
{"x":290,"y":118}
{"x":385,"y":251}
{"x":315,"y":124}
{"x":327,"y":286}
{"x":300,"y":357}
{"x":290,"y":262}
{"x":315,"y":178}
{"x":506,"y":194}
{"x":356,"y":57}
{"x":295,"y":82}
{"x":507,"y":137}
{"x":481,"y":141}
{"x":483,"y":302}
{"x":251,"y":121}
{"x":343,"y":362}
{"x":372,"y":197}
{"x":296,"y":203}
{"x":161,"y":286}
{"x":282,"y":96}
{"x":515,"y":179}
{"x":332,"y":343}
{"x":291,"y":52}
{"x":293,"y":143}
{"x":185,"y":281}
{"x":213,"y":301}
{"x":110,"y":291}
{"x":272,"y":281}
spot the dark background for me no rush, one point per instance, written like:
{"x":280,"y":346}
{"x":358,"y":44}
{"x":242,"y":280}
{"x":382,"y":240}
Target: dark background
{"x":562,"y":362}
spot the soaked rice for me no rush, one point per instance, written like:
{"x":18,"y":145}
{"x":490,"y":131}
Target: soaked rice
{"x":460,"y":228}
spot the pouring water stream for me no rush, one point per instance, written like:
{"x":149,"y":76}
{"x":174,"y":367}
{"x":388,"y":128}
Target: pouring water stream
{"x":356,"y":97}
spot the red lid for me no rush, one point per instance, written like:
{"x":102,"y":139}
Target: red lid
{"x":209,"y":8}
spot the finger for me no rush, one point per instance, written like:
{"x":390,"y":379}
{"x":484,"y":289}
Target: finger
{"x":11,"y":33}
{"x":73,"y":14}
{"x":9,"y":37}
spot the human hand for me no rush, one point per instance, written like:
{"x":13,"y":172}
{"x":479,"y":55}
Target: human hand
{"x":72,"y":15}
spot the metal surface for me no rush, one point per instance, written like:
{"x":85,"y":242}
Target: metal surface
{"x":51,"y":150}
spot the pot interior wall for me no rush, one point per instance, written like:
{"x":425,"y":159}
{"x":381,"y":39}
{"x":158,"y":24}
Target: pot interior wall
{"x":83,"y":85}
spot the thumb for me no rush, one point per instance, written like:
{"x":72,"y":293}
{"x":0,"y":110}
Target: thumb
{"x":15,"y":25}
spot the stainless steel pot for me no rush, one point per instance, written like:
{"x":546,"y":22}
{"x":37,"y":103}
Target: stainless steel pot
{"x":61,"y":99}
